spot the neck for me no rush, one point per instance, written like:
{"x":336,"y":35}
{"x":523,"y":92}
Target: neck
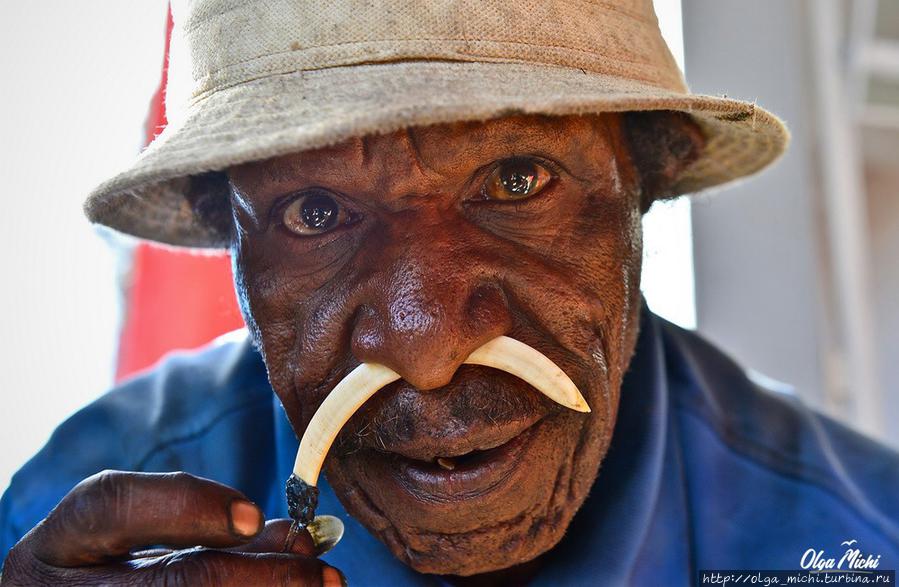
{"x":517,"y":576}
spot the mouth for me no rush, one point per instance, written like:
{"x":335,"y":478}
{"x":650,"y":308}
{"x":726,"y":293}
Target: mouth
{"x":465,"y":474}
{"x":463,"y":440}
{"x":503,"y":354}
{"x":456,"y":471}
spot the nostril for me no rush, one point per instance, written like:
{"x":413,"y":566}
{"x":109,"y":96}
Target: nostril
{"x":367,"y":339}
{"x":427,"y":342}
{"x":425,"y":361}
{"x":486,"y":298}
{"x":487,"y":310}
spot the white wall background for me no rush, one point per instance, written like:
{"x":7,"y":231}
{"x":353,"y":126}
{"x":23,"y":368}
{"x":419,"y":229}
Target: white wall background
{"x":882,"y":175}
{"x":75,"y":82}
{"x":757,"y":270}
{"x":667,"y":228}
{"x":77,"y":78}
{"x":795,"y":269}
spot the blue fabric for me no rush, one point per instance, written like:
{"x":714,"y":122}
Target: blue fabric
{"x":706,"y":469}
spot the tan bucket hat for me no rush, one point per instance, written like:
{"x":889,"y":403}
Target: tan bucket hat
{"x":252,"y":79}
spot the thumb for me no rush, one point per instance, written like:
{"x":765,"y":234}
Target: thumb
{"x":318,"y":538}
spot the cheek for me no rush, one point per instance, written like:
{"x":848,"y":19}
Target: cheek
{"x":611,"y":238}
{"x":297,"y":315}
{"x":605,"y":228}
{"x":605,"y":242}
{"x":268,"y":302}
{"x":597,"y":295}
{"x":242,"y":277}
{"x":600,"y":244}
{"x":613,"y":265}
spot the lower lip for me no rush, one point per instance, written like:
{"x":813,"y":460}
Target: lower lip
{"x":473,"y":476}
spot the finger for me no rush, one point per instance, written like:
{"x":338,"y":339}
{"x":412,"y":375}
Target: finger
{"x":211,"y":567}
{"x":319,"y":537}
{"x":274,"y":538}
{"x":278,"y":537}
{"x":112,"y":513}
{"x":202,"y":567}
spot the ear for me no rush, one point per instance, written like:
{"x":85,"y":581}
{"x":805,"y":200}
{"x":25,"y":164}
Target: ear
{"x":209,"y":198}
{"x":662,"y":145}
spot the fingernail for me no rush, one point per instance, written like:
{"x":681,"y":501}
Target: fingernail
{"x":246,"y":518}
{"x":326,"y":532}
{"x":331,"y":577}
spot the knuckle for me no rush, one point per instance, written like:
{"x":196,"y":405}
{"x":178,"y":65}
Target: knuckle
{"x":184,"y":490}
{"x":181,"y":478}
{"x":102,"y":485}
{"x":100,"y":502}
{"x":94,"y":510}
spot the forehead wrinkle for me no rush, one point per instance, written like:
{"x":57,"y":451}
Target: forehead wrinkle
{"x":365,"y":151}
{"x":517,"y":129}
{"x":335,"y":163}
{"x":397,"y":164}
{"x":412,"y":143}
{"x":374,"y":167}
{"x":284,"y":170}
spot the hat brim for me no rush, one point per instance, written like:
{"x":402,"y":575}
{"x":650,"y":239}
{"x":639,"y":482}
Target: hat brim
{"x":280,"y":114}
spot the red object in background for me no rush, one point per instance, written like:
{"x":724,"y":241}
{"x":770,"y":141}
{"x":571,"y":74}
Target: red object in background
{"x":175,"y":300}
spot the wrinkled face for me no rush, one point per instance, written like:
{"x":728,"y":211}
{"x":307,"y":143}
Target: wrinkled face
{"x":415,"y":248}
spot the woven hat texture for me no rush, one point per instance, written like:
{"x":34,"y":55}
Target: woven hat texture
{"x":252,"y":79}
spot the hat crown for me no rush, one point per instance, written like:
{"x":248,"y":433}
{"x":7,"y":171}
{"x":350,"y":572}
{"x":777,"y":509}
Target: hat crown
{"x":255,"y":79}
{"x":221,"y":43}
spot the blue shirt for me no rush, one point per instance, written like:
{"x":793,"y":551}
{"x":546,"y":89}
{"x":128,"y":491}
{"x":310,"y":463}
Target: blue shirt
{"x":706,"y":469}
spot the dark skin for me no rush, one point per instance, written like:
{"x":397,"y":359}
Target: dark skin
{"x":412,"y":250}
{"x":99,"y":532}
{"x":431,"y":271}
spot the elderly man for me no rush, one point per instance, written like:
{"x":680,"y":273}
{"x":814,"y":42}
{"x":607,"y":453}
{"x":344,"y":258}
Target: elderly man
{"x":437,"y":205}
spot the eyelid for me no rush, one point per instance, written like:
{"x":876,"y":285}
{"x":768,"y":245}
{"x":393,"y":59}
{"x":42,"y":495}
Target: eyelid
{"x":487,"y":171}
{"x":553,"y":167}
{"x":276,"y":210}
{"x":281,"y":203}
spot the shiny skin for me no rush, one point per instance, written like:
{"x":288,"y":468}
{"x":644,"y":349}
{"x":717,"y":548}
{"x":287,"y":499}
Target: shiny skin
{"x":421,"y":270}
{"x":100,"y":531}
{"x":426,"y":271}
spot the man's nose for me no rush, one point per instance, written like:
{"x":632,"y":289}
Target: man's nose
{"x":427,"y":313}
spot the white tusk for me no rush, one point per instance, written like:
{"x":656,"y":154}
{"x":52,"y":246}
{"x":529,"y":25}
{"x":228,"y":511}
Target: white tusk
{"x":343,"y":401}
{"x":529,"y":364}
{"x":503,"y":353}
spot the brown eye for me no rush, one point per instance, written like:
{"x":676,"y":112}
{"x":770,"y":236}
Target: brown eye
{"x":514,"y":180}
{"x":313,"y":214}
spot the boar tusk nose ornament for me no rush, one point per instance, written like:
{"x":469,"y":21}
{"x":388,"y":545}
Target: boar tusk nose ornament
{"x":529,"y":364}
{"x":503,"y":353}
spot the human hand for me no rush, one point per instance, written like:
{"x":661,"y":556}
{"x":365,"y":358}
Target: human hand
{"x":209,"y":534}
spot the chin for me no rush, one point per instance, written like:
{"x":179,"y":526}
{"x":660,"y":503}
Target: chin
{"x":510,"y":493}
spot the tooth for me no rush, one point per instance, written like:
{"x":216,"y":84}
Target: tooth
{"x":517,"y":358}
{"x":448,"y":464}
{"x":343,"y":401}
